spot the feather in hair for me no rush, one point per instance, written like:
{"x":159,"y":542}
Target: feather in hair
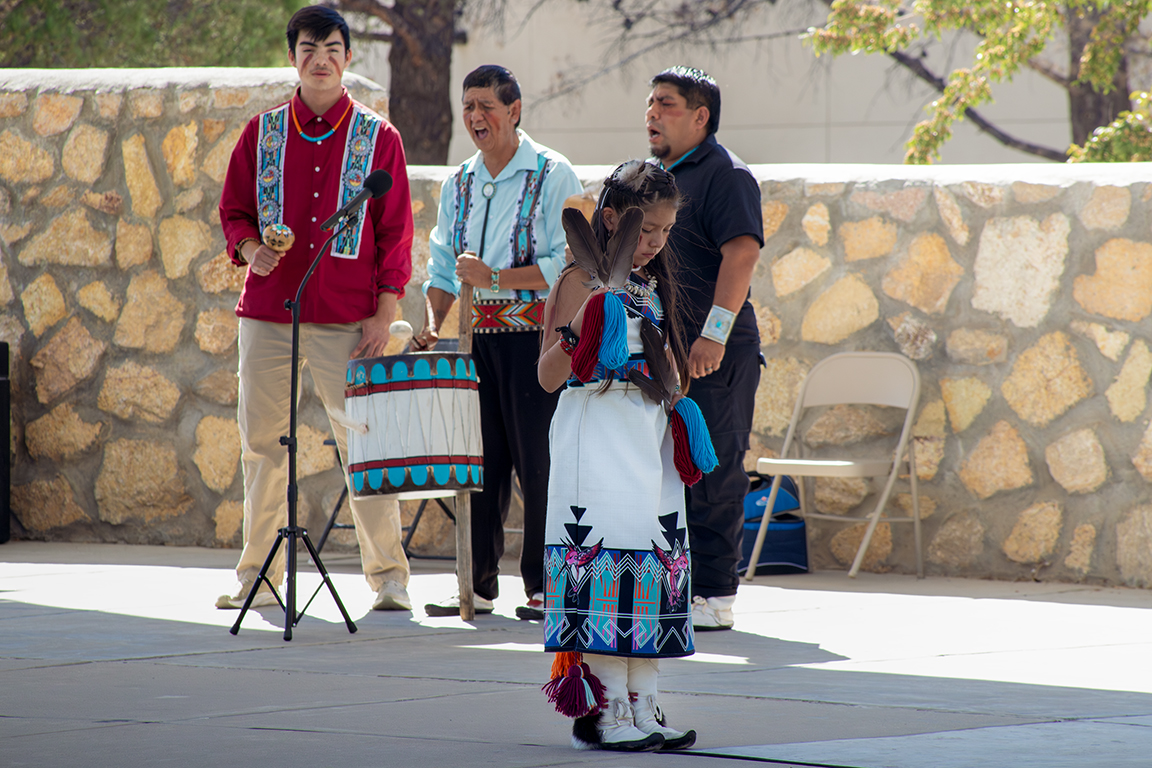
{"x":585,"y":250}
{"x":621,"y":248}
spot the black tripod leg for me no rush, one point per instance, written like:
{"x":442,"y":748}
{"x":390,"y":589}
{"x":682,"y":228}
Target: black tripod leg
{"x":290,"y":617}
{"x":261,"y":577}
{"x":328,"y":580}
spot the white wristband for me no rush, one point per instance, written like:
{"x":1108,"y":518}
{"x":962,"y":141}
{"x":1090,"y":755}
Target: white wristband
{"x":718,"y":325}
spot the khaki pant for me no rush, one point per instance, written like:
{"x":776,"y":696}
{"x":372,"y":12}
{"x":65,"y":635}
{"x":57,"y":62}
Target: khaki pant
{"x":265,"y":389}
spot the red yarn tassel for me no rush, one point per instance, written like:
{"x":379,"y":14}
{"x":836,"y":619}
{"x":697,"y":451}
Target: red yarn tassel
{"x":574,"y":690}
{"x":587,"y":352}
{"x":682,"y":452}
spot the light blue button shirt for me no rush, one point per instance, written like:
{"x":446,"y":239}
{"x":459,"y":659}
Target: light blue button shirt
{"x":547,"y":231}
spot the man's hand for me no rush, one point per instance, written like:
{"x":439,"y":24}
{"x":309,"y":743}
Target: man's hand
{"x":704,"y":357}
{"x":472,"y":271}
{"x":425,"y":340}
{"x":374,"y":333}
{"x":261,"y":259}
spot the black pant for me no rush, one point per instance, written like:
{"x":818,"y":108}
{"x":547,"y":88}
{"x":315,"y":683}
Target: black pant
{"x":727,"y":399}
{"x":515,"y":414}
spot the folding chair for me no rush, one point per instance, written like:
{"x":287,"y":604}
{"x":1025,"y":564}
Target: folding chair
{"x":852,"y":378}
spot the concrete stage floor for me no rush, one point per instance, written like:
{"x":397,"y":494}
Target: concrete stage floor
{"x":115,"y":656}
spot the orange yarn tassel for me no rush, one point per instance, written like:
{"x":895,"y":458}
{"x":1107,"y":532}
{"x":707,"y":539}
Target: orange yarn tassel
{"x":562,"y":661}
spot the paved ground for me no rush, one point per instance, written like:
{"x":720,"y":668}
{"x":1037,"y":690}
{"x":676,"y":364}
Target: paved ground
{"x":114,"y":656}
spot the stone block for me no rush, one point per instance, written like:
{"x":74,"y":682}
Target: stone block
{"x":846,"y":542}
{"x":216,"y":331}
{"x":217,"y":451}
{"x":186,"y":101}
{"x":213,"y":129}
{"x":844,"y":425}
{"x":69,"y":358}
{"x":138,"y":393}
{"x":188,"y":200}
{"x":230,"y":98}
{"x":1018,"y":267}
{"x":965,"y":400}
{"x":220,"y":386}
{"x":774,"y":214}
{"x":54,"y":113}
{"x":140,"y":480}
{"x":229,"y":519}
{"x":959,"y":541}
{"x":22,"y":162}
{"x":70,"y":240}
{"x":59,"y":197}
{"x":902,"y":205}
{"x":12,"y":104}
{"x":219,"y":274}
{"x":179,"y":149}
{"x":1034,"y":536}
{"x":868,"y":239}
{"x":1080,"y":551}
{"x":1143,"y":458}
{"x":108,"y":202}
{"x":84,"y":153}
{"x":60,"y":435}
{"x":1046,"y":380}
{"x":215,"y":164}
{"x":825,"y":189}
{"x":43,"y":304}
{"x":768,"y":324}
{"x":152,"y":318}
{"x":43,"y":505}
{"x":1134,"y":546}
{"x":1122,"y":286}
{"x":6,"y":294}
{"x":142,"y":189}
{"x":181,"y":241}
{"x":903,"y":502}
{"x":925,"y":276}
{"x":984,"y":195}
{"x":839,"y":495}
{"x":1107,"y":208}
{"x":146,"y":104}
{"x":133,"y":244}
{"x":313,"y":456}
{"x":13,"y":234}
{"x":1027,"y":194}
{"x":999,"y":462}
{"x":928,"y":438}
{"x":108,"y":105}
{"x":1077,"y":461}
{"x":97,"y":299}
{"x":951,"y":215}
{"x":969,"y":346}
{"x":776,"y":394}
{"x":816,"y":224}
{"x":915,"y":337}
{"x":798,"y":269}
{"x":1110,"y":343}
{"x":842,"y":310}
{"x":1129,"y":392}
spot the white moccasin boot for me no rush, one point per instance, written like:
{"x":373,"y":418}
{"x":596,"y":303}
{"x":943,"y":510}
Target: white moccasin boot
{"x":643,"y":676}
{"x":612,"y":729}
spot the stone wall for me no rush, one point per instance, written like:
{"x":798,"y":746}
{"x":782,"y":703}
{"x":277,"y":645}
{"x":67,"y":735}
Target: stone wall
{"x":1023,"y":292}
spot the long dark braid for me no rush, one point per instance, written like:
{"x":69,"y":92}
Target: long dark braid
{"x":639,"y":184}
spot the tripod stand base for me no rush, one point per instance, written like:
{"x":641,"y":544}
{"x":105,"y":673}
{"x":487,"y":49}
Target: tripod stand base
{"x":291,"y":534}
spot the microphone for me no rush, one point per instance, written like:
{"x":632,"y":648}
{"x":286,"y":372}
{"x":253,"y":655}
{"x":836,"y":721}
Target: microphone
{"x":377,"y":183}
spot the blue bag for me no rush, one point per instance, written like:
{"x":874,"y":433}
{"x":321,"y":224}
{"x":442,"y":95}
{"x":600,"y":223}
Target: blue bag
{"x":785,"y":547}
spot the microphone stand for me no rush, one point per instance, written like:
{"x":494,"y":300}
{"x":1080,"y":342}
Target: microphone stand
{"x":293,"y":532}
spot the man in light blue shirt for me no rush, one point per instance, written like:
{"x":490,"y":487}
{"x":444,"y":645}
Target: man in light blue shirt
{"x":498,"y":234}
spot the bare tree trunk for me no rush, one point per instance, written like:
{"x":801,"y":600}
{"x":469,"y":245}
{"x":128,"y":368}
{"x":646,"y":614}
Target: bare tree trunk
{"x":419,"y":103}
{"x":1088,"y":109}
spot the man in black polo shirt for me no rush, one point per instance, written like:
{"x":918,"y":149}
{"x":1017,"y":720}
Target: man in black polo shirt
{"x":717,"y":238}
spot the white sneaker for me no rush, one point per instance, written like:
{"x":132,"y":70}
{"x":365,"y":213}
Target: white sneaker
{"x":264,"y":596}
{"x":451,"y":606}
{"x":712,"y":613}
{"x":392,"y":596}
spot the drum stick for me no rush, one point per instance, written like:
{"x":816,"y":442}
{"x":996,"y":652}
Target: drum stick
{"x":401,"y":330}
{"x":464,"y":500}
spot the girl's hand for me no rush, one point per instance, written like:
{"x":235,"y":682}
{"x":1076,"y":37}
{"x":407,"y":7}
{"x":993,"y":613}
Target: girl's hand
{"x":578,"y":320}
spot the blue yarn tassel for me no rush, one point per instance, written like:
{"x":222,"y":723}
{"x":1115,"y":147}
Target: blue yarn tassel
{"x":614,"y":340}
{"x":699,"y":441}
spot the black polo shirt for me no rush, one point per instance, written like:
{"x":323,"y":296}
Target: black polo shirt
{"x":721,"y":202}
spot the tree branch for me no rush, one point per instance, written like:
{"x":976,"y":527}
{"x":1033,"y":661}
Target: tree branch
{"x":917,"y":68}
{"x":378,"y":37}
{"x":1046,"y":70}
{"x":400,"y":28}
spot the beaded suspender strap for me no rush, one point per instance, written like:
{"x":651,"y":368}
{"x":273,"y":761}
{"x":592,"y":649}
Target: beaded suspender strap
{"x":359,"y":150}
{"x":523,"y":238}
{"x":270,"y":167}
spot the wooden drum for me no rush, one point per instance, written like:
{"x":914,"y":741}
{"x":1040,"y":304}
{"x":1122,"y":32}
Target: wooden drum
{"x":423,"y":416}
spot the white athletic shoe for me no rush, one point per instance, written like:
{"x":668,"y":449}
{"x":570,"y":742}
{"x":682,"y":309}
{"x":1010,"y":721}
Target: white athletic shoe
{"x":393,"y":596}
{"x":712,"y":613}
